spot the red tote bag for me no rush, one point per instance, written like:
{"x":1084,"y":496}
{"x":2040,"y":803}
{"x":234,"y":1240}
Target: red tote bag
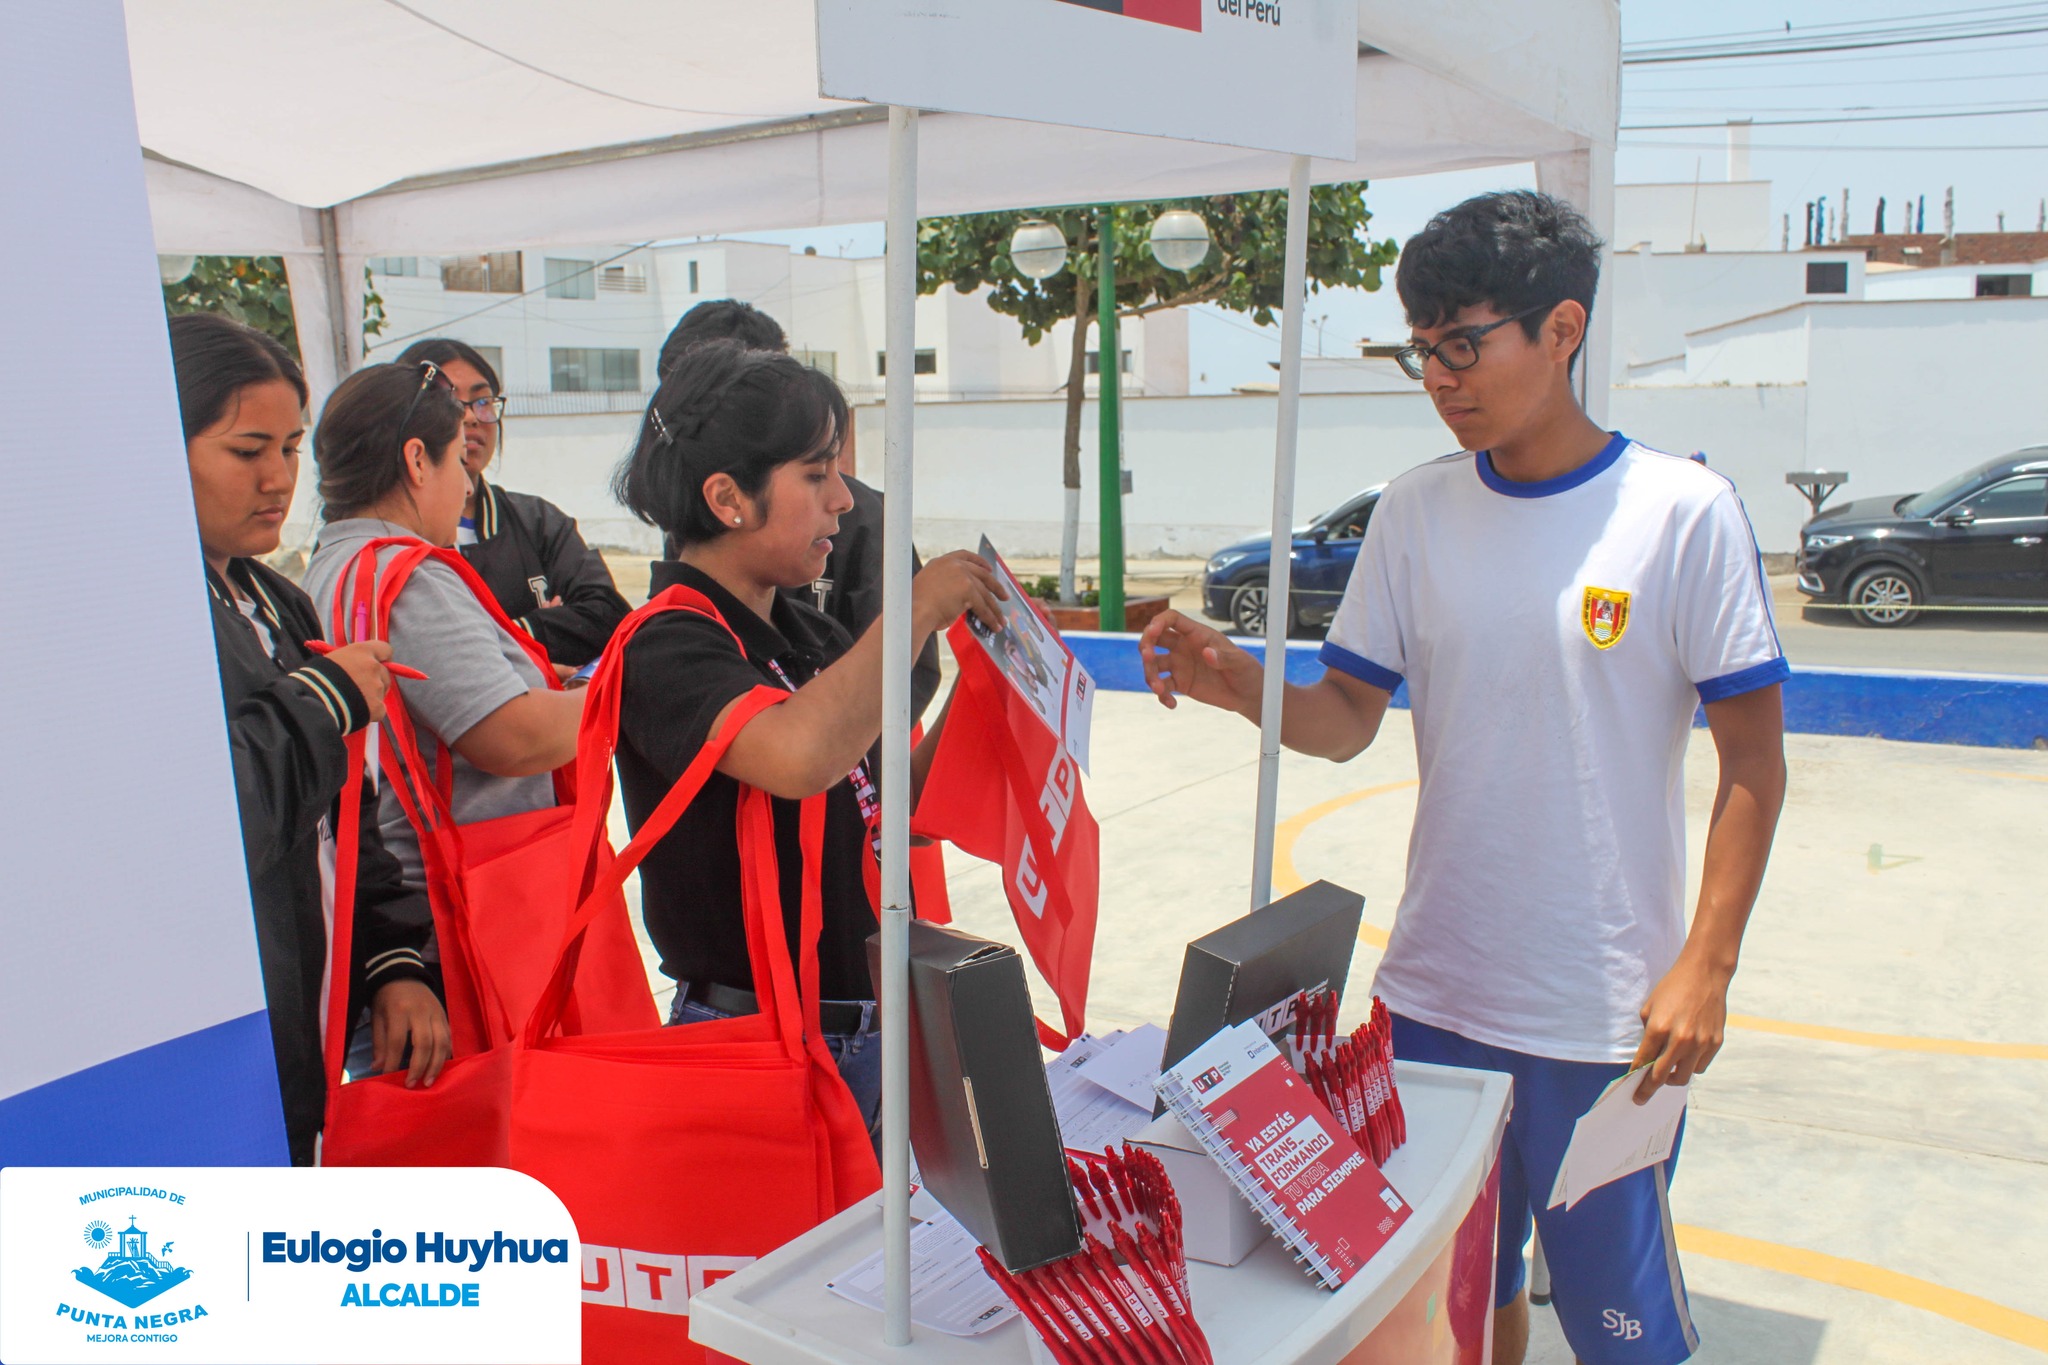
{"x":683,"y":1153}
{"x":507,"y":885}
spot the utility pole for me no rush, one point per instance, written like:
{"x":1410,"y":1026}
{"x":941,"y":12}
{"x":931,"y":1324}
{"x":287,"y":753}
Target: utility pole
{"x":1785,"y":235}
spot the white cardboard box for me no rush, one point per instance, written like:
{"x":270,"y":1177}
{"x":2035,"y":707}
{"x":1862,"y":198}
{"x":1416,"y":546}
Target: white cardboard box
{"x":1218,"y":1224}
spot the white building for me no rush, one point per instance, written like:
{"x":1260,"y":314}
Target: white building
{"x":579,"y":331}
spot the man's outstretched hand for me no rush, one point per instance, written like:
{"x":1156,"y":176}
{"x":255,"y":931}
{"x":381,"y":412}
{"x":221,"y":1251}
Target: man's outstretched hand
{"x":1183,"y":657}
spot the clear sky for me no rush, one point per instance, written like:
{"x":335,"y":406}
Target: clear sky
{"x":1918,"y":118}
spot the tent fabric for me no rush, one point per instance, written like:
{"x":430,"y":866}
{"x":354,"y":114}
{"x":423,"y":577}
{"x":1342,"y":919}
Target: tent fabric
{"x":439,"y":126}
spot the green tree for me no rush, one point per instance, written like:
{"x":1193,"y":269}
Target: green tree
{"x":1244,"y":272}
{"x":254,"y":290}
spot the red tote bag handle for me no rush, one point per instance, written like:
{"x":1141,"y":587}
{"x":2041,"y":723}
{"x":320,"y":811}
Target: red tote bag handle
{"x":776,"y":985}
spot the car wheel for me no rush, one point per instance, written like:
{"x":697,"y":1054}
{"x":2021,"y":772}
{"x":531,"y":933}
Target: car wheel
{"x":1248,"y":608}
{"x":1884,"y":596}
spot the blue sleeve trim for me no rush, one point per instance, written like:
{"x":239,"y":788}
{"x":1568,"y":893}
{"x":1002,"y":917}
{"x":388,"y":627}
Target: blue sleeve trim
{"x":1359,"y":667}
{"x":1748,"y":680}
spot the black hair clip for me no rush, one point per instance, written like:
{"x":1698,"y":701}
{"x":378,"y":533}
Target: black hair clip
{"x":663,"y":436}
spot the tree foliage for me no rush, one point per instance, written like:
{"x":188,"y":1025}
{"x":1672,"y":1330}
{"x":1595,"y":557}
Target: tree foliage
{"x":254,"y":290}
{"x":1243,"y":271}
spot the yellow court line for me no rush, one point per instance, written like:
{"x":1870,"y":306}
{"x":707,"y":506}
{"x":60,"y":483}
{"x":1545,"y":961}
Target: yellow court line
{"x":1897,"y":1042}
{"x":1971,"y":1310}
{"x":2017,"y":777}
{"x":1287,"y":878}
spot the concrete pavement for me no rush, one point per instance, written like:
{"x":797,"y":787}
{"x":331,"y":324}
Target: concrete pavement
{"x":1865,"y":1177}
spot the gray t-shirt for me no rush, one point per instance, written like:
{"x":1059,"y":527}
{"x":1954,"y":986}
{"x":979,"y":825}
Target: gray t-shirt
{"x":473,"y":667}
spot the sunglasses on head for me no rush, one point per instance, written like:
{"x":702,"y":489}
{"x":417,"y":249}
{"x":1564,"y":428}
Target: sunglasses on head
{"x":430,"y":377}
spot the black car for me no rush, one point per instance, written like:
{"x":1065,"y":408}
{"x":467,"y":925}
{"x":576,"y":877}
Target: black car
{"x":1234,"y":580}
{"x":1979,"y":539}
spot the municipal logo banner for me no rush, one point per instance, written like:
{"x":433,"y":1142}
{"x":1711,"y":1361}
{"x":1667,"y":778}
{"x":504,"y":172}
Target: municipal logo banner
{"x":285,"y":1265}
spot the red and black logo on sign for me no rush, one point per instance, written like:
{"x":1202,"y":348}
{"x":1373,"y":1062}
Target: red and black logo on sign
{"x":1185,"y":14}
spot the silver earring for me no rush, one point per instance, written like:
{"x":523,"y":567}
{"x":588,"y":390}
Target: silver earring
{"x":737,"y":520}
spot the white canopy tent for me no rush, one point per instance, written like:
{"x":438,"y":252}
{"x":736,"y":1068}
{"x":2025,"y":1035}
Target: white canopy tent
{"x":400,"y":127}
{"x":446,"y":126}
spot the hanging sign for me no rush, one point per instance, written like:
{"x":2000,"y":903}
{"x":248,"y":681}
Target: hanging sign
{"x":1157,"y":67}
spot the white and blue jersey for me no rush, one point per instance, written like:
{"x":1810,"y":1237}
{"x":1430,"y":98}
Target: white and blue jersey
{"x":1556,"y":638}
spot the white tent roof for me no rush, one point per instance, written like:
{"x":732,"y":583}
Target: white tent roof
{"x":437,"y":126}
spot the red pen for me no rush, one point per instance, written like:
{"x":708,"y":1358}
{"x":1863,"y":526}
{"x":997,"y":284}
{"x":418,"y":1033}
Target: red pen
{"x":396,"y":670}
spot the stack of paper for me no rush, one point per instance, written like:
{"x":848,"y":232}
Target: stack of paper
{"x":1618,"y":1137}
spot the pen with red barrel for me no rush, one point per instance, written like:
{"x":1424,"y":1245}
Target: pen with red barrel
{"x":1123,"y":1330}
{"x":1142,"y":1254}
{"x":396,"y":670}
{"x":1041,"y":1320}
{"x":1147,"y":1329}
{"x":1058,"y":1277}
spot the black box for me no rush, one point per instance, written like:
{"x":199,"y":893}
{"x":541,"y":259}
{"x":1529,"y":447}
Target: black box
{"x":981,"y":1118}
{"x":1253,"y":968}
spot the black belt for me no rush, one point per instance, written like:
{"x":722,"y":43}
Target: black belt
{"x":834,"y":1016}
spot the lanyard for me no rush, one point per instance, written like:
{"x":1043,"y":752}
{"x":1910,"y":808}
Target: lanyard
{"x":863,"y":783}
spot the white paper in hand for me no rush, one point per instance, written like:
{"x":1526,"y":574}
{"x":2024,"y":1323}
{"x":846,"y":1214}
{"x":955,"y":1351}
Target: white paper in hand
{"x":1618,"y":1137}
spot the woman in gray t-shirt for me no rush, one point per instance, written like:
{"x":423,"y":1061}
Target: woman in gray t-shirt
{"x":389,"y":450}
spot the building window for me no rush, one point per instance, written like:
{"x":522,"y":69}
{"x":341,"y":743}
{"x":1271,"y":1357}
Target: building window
{"x":570,"y":279}
{"x":1095,"y":361}
{"x":395,"y":265}
{"x":1827,"y":277}
{"x":693,"y":277}
{"x":591,"y":369}
{"x":824,"y":362}
{"x":2005,"y":286}
{"x":925,"y":362}
{"x":494,"y":356}
{"x":630,"y":278}
{"x":495,"y":272}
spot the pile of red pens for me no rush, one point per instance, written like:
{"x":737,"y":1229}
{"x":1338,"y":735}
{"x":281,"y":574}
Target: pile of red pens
{"x":1123,"y":1299}
{"x":1352,"y":1076}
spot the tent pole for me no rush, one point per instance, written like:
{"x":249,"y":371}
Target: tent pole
{"x":342,"y":334}
{"x":900,"y":285}
{"x":1279,"y":611}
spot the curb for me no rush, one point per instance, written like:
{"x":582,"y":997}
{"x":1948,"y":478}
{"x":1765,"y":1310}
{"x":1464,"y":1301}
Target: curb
{"x":1985,"y":710}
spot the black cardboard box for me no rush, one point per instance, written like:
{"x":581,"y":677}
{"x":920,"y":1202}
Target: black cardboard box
{"x":981,"y":1117}
{"x":1254,"y":967}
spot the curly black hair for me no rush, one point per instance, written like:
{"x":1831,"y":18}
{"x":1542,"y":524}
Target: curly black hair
{"x":1514,"y":250}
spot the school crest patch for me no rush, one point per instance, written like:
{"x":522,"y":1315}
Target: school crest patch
{"x":1604,"y":614}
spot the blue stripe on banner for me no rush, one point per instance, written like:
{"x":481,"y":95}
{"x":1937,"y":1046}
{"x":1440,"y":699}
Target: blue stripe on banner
{"x":208,"y":1098}
{"x":1995,"y":712}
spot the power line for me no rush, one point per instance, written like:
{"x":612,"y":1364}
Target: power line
{"x":1808,"y":122}
{"x":1719,"y":144}
{"x":1847,"y":43}
{"x":1772,"y":86}
{"x":1950,"y":14}
{"x":1903,"y":110}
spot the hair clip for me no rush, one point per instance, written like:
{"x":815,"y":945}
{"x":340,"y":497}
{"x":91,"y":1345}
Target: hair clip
{"x":664,"y":435}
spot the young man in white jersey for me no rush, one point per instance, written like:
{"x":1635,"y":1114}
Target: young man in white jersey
{"x":1557,"y":600}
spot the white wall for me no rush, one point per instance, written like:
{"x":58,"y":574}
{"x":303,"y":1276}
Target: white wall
{"x":1904,"y":394}
{"x":1659,"y":299}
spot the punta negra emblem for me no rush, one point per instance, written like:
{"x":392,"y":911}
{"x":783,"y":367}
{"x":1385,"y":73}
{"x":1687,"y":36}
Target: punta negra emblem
{"x":130,"y":1275}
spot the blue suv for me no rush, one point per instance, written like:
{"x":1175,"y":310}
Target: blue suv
{"x":1234,"y":580}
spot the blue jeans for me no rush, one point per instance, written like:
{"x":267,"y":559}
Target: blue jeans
{"x":858,"y":1054}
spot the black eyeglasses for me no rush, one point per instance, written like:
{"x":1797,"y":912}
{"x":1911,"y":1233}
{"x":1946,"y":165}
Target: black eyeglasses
{"x":430,"y":376}
{"x":1460,"y":352}
{"x":486,"y":410}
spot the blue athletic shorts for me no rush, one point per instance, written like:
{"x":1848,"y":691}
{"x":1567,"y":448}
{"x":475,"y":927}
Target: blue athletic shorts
{"x":1614,"y":1277}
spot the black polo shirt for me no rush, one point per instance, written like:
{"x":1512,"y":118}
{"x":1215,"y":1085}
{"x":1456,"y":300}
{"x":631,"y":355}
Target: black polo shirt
{"x":681,"y":670}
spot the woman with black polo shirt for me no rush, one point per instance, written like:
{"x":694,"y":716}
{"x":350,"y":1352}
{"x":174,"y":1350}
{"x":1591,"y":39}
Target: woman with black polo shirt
{"x":736,"y":461}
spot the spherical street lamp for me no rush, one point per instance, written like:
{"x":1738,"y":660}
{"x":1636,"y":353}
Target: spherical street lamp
{"x":171,"y":269}
{"x":1038,"y":249}
{"x":1179,"y":239}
